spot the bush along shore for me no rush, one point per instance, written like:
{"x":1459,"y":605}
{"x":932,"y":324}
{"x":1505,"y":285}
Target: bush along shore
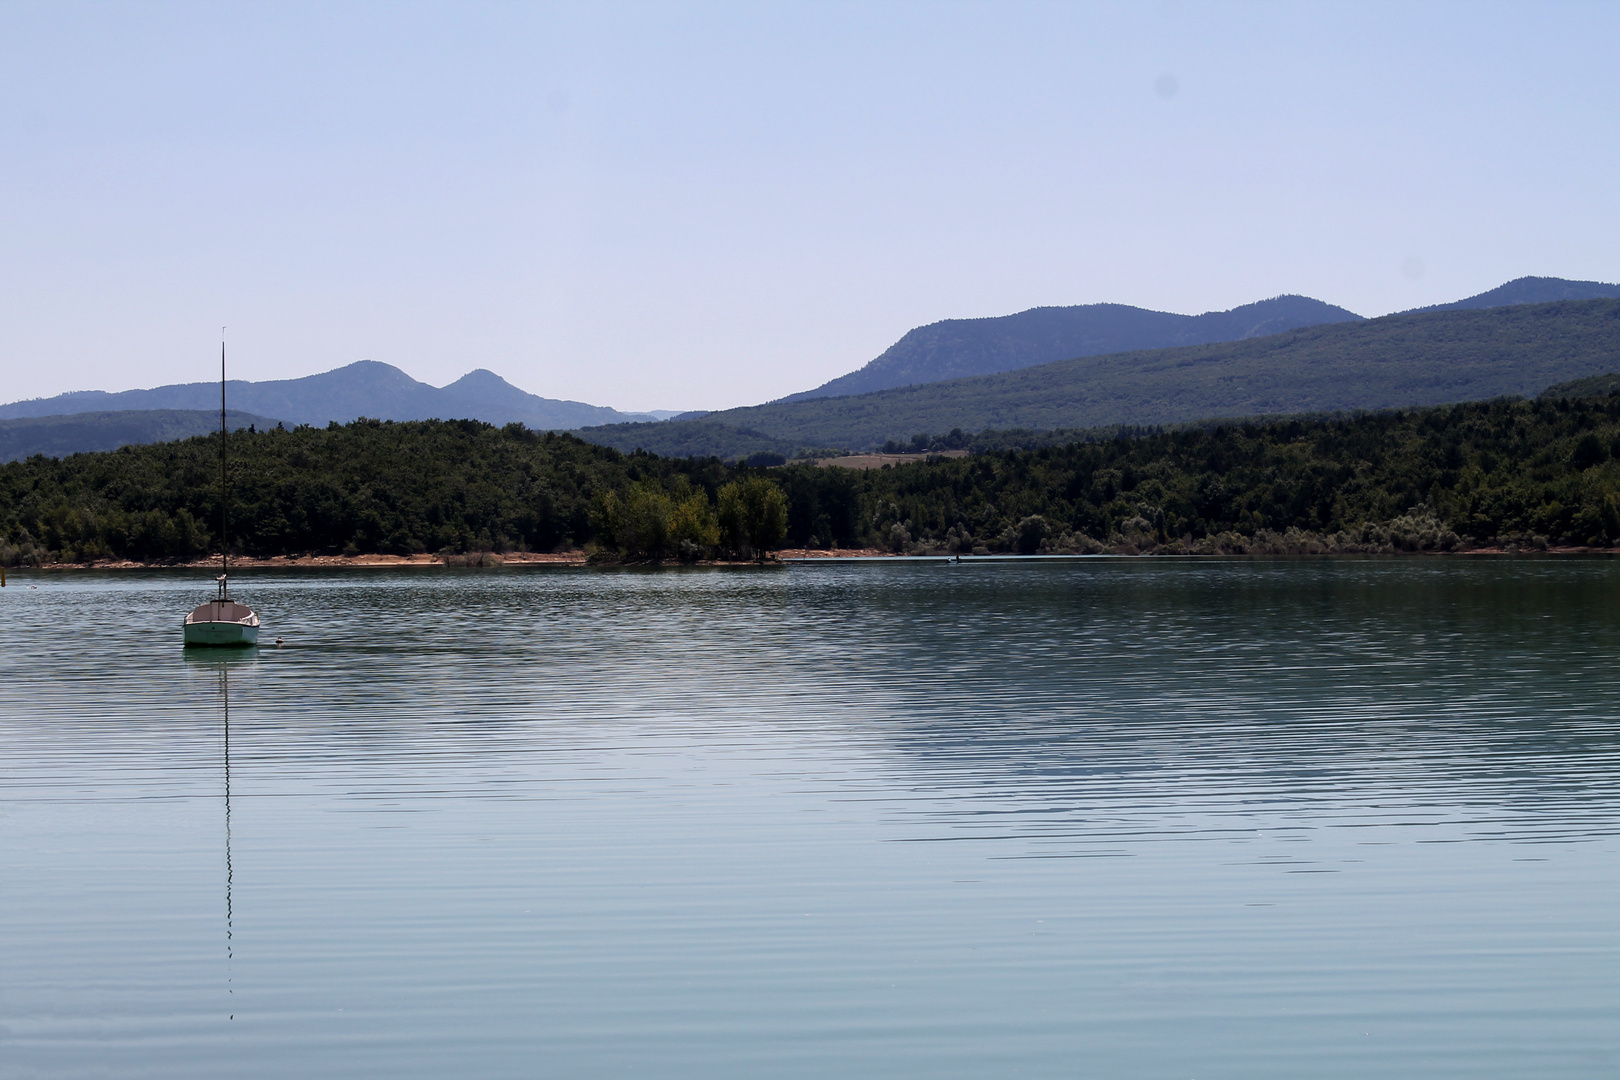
{"x":1507,"y":474}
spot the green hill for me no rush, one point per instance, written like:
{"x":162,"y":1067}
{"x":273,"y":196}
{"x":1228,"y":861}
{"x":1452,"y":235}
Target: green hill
{"x":373,"y":486}
{"x":1396,"y":361}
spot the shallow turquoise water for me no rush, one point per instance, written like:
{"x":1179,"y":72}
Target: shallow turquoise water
{"x":1105,"y":818}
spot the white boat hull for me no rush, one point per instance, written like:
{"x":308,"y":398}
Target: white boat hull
{"x":223,"y":623}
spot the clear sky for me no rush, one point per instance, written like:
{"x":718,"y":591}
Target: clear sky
{"x":671,"y":205}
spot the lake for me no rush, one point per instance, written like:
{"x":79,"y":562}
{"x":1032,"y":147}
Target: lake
{"x":1089,"y":818}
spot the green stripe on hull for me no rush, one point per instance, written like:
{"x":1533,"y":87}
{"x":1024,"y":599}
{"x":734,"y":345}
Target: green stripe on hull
{"x":223,"y":634}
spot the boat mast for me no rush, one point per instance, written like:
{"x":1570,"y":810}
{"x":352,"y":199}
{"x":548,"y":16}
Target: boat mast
{"x":224,"y":432}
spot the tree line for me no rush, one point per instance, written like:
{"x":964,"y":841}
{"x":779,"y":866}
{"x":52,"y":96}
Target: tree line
{"x":1509,"y":472}
{"x":449,"y":486}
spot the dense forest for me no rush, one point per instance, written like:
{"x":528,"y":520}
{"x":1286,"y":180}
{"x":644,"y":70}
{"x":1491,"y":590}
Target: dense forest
{"x":370,"y":486}
{"x":1505,"y":472}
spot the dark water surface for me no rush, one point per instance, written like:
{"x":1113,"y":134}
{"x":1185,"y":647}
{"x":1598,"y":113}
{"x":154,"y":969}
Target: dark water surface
{"x":1108,"y":818}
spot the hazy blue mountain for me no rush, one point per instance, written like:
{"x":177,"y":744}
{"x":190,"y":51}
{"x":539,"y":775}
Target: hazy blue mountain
{"x":364,"y":388}
{"x":958,"y":348}
{"x":1428,"y":358}
{"x":1531,"y":290}
{"x":491,"y":398}
{"x":78,"y":433}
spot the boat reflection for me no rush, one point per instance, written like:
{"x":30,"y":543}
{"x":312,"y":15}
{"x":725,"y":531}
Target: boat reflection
{"x":222,"y":665}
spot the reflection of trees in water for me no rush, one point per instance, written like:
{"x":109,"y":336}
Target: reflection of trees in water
{"x":1500,"y":775}
{"x":1378,"y":692}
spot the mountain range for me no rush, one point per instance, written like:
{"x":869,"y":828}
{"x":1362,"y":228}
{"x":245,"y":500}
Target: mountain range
{"x":1423,"y":358}
{"x":957,"y":348}
{"x":904,"y":391}
{"x":363,"y":388}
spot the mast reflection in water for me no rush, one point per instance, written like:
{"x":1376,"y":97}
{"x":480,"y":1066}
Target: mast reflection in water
{"x":225,"y":710}
{"x":223,"y":669}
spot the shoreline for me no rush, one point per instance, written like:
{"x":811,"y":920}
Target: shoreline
{"x":515,"y":558}
{"x":579,"y":558}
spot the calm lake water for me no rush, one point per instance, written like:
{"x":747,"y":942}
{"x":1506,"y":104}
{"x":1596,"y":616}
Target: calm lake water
{"x":1099,"y":818}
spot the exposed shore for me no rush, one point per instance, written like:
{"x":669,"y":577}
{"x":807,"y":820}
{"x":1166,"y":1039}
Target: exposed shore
{"x":335,"y":562}
{"x":578,"y":558}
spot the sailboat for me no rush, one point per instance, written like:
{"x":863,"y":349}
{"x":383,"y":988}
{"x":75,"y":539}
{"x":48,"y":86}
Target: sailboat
{"x":222,"y":621}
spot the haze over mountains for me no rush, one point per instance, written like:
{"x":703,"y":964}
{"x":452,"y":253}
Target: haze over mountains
{"x":1424,"y":358}
{"x":364,"y":388}
{"x":932,"y":379}
{"x":957,"y":348}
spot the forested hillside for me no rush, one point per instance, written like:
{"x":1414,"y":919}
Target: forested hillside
{"x":1528,"y":473}
{"x":370,"y":486}
{"x":1392,"y":362}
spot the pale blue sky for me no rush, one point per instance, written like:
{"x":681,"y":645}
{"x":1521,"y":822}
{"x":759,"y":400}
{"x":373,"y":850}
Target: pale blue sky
{"x":705,"y":205}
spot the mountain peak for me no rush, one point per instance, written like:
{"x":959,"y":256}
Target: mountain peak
{"x":481,"y":381}
{"x":960,"y":348}
{"x":1530,"y":290}
{"x":363,"y":388}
